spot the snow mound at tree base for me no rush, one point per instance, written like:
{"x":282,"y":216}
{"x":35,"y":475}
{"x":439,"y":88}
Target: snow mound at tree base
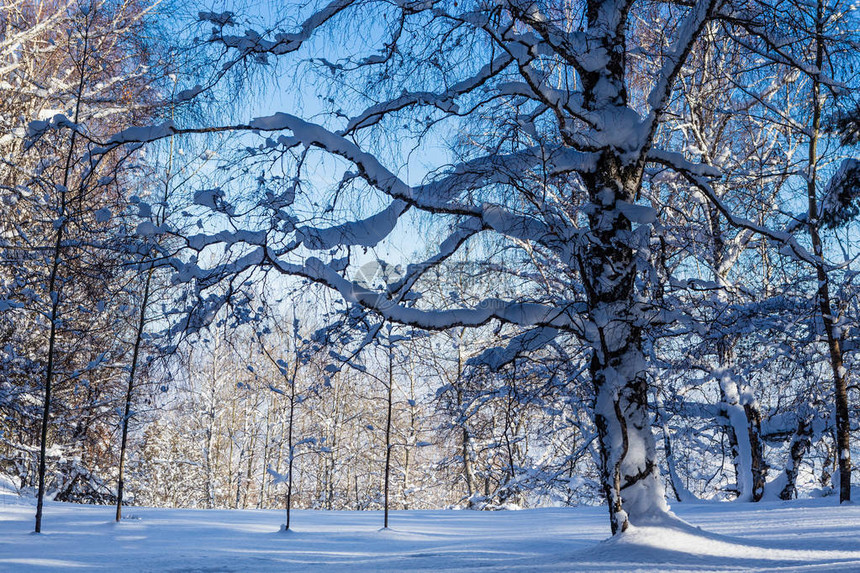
{"x":672,"y":544}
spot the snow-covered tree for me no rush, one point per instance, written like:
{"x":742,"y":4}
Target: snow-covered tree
{"x":553,"y":114}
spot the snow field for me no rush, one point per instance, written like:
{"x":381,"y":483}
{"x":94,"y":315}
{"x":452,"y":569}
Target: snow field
{"x":807,"y":535}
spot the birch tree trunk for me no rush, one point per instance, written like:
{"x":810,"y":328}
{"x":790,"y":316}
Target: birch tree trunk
{"x":618,"y":365}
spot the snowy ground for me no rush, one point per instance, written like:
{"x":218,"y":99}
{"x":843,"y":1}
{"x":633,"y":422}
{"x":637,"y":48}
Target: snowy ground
{"x":813,"y":535}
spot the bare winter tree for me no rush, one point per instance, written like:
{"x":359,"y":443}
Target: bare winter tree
{"x":100,"y":74}
{"x":827,"y":311}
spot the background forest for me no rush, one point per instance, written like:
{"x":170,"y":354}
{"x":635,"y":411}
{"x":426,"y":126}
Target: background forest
{"x":150,"y":355}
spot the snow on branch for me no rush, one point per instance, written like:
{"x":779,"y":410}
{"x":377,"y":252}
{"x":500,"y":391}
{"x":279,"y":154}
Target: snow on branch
{"x":228,"y":238}
{"x":520,"y":313}
{"x":775,"y":47}
{"x":841,"y":202}
{"x":253,"y":42}
{"x":364,"y":233}
{"x":679,"y":163}
{"x":38,"y":128}
{"x":572,"y":47}
{"x":187,"y":272}
{"x":438,"y":195}
{"x":790,"y":245}
{"x":143,"y":134}
{"x":529,"y":341}
{"x":443,"y":101}
{"x":448,"y":247}
{"x":674,"y":61}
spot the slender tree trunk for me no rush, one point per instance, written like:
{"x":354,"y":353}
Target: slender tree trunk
{"x":468,"y":470}
{"x":290,"y":447}
{"x":250,"y":469}
{"x":291,"y":379}
{"x":49,"y":377}
{"x":679,"y":490}
{"x":801,"y":441}
{"x":834,"y":338}
{"x":129,"y":394}
{"x":743,"y":428}
{"x":332,"y":465}
{"x":261,"y":504}
{"x":208,"y":482}
{"x":388,"y":426}
{"x":357,"y":503}
{"x":411,"y":440}
{"x":279,"y":428}
{"x":231,"y":434}
{"x":570,"y":470}
{"x":758,"y":465}
{"x":506,"y":490}
{"x":144,"y":304}
{"x":238,"y":496}
{"x":53,"y":293}
{"x":829,"y":465}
